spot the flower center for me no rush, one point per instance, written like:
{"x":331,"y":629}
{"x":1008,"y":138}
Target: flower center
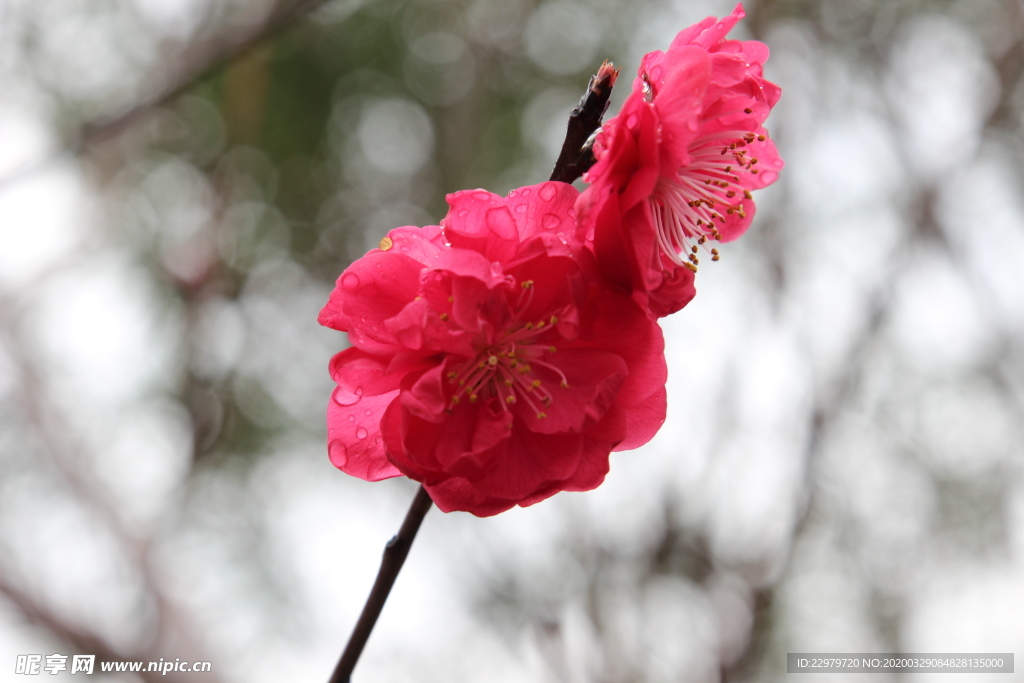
{"x":508,"y":367}
{"x":708,"y":189}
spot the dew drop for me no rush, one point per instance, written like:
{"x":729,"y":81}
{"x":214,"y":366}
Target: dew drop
{"x":521,"y":208}
{"x":550,"y":221}
{"x":463,"y":213}
{"x":527,"y":192}
{"x":512,"y":194}
{"x":361,"y":433}
{"x":368,"y":412}
{"x":769,"y":176}
{"x":344,"y":397}
{"x":351,"y":418}
{"x":378,"y":441}
{"x":547,"y":193}
{"x":657,"y":72}
{"x":337,"y":453}
{"x":350,"y":281}
{"x":482,"y":196}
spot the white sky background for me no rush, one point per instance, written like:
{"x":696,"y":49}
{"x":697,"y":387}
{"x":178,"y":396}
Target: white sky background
{"x":75,"y":296}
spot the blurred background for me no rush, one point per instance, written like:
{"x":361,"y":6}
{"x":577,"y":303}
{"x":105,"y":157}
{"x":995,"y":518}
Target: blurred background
{"x":841,"y":468}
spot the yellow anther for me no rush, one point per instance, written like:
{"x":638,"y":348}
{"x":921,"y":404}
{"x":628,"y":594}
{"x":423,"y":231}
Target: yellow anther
{"x":565,"y":385}
{"x":444,"y":316}
{"x":540,"y":324}
{"x":451,"y":299}
{"x":526,"y":284}
{"x":510,"y":399}
{"x":473,"y":398}
{"x":493,"y":360}
{"x":535,"y":383}
{"x":386,"y":243}
{"x":541,"y":415}
{"x":554,"y":320}
{"x":551,"y":349}
{"x":455,"y":400}
{"x":508,"y":383}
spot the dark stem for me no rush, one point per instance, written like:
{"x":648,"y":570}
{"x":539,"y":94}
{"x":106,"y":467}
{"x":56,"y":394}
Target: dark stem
{"x":576,"y":155}
{"x":395,"y":553}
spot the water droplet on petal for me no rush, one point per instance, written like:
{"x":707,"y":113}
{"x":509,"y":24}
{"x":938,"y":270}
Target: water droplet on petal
{"x":338,"y":454}
{"x":512,"y":194}
{"x":769,"y":176}
{"x":463,"y":213}
{"x":368,"y":412}
{"x":351,"y":418}
{"x":550,"y":221}
{"x":527,"y":192}
{"x":350,"y":281}
{"x":361,"y":433}
{"x":378,"y":441}
{"x":657,"y":72}
{"x":482,"y":196}
{"x":344,"y":397}
{"x":521,"y":208}
{"x":547,"y":193}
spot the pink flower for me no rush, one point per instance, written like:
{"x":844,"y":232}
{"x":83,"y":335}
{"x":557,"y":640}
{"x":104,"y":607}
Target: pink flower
{"x":487,"y":361}
{"x":676,"y":167}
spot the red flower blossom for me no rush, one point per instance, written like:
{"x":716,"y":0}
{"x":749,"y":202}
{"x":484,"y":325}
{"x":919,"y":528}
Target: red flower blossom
{"x":493,"y":367}
{"x":675,"y":168}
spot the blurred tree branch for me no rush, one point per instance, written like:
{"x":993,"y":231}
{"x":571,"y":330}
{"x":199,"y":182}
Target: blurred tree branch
{"x":69,"y":458}
{"x":197,"y":61}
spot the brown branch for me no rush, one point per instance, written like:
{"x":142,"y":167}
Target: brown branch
{"x":576,"y":156}
{"x":395,"y":553}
